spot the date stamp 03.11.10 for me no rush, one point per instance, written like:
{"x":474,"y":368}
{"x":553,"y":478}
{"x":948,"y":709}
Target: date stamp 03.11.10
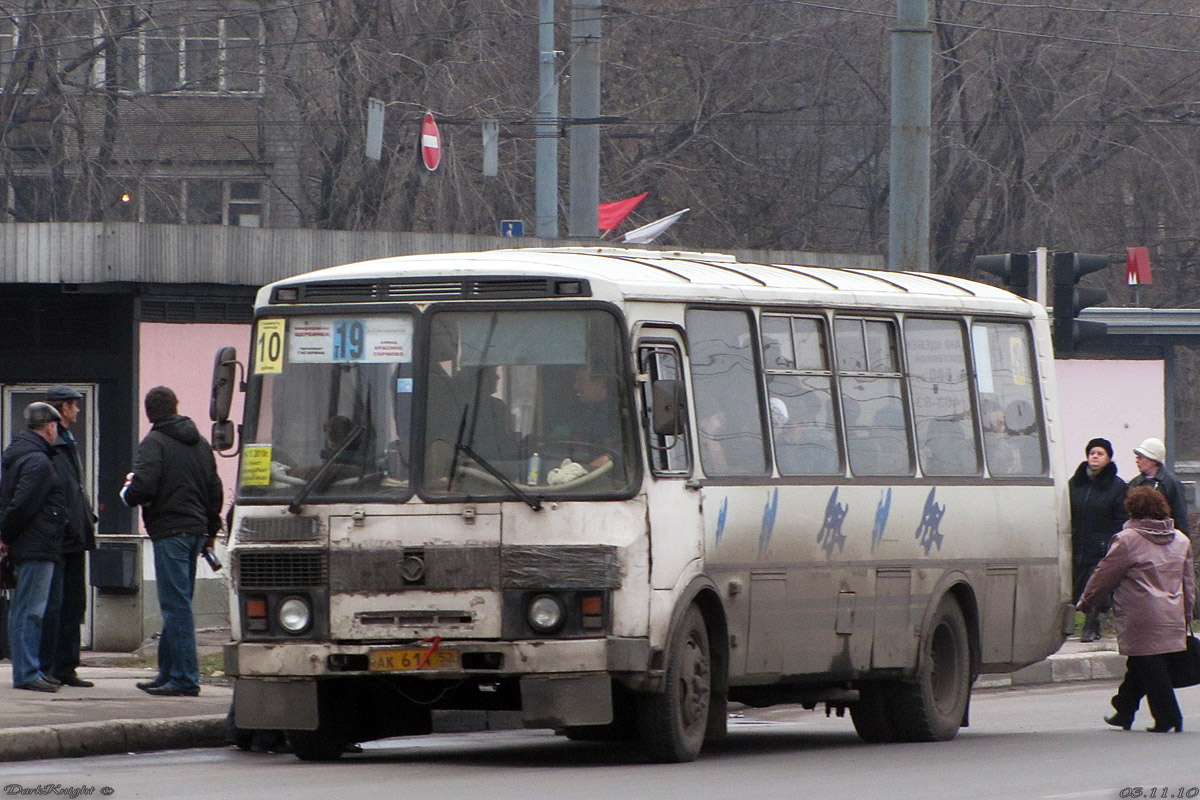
{"x":1160,"y":792}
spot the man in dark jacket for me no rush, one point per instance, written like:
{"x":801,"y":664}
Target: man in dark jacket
{"x":1097,"y":513}
{"x":34,"y":502}
{"x":1151,"y":458}
{"x":175,"y":481}
{"x":68,"y":596}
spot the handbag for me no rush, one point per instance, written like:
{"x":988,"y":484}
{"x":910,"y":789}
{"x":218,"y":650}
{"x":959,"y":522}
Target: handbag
{"x":1184,"y":666}
{"x":8,"y":573}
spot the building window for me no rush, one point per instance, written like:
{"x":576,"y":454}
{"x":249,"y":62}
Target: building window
{"x":8,"y":51}
{"x":176,"y":201}
{"x":215,"y":55}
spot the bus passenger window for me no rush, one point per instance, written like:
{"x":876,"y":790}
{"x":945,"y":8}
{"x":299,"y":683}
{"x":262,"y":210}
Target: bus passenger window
{"x":872,"y":397}
{"x":800,"y":396}
{"x":941,"y":397}
{"x":725,"y":383}
{"x":1013,"y":437}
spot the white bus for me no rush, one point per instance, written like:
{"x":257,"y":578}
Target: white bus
{"x":616,"y":490}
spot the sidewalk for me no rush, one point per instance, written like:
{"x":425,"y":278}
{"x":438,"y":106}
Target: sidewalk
{"x":116,"y":717}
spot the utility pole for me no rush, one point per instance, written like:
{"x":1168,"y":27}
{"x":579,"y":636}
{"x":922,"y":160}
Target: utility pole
{"x":547,"y":126}
{"x":585,"y":106}
{"x":908,"y":198}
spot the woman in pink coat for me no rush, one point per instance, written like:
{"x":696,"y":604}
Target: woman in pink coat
{"x":1148,"y":571}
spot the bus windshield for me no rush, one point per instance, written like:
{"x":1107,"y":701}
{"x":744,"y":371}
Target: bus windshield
{"x":528,"y":399}
{"x":334,"y":402}
{"x":511,"y":403}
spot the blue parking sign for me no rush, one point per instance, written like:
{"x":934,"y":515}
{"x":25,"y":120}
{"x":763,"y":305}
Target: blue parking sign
{"x":512,"y":227}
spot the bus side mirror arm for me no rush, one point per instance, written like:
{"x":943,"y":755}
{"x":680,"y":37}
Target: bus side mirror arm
{"x":668,"y":415}
{"x":226,"y":368}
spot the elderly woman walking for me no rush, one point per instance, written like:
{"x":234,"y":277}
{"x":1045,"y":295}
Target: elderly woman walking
{"x":1148,"y":571}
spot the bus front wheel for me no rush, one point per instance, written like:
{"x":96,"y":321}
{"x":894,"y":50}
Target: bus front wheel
{"x":318,"y":745}
{"x":672,"y":724}
{"x":932,"y":705}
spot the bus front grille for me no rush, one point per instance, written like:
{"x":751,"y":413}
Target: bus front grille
{"x":281,"y":569}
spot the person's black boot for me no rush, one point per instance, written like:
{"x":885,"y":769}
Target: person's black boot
{"x":1119,"y":720}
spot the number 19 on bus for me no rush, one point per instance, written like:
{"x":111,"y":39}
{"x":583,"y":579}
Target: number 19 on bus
{"x":349,"y":337}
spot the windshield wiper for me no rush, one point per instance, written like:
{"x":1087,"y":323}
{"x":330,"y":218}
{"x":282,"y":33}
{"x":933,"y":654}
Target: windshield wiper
{"x":295,"y":506}
{"x":530,"y":500}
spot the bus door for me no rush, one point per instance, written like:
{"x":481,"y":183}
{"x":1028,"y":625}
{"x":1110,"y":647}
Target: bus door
{"x":674,"y":505}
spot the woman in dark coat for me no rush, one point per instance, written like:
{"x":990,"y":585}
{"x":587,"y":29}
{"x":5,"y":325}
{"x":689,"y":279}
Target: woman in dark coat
{"x":1148,"y":571}
{"x":1097,"y":512}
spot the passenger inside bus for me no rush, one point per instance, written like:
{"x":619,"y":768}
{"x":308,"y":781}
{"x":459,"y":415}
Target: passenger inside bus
{"x":488,"y":429}
{"x":804,"y":443}
{"x":1003,"y":457}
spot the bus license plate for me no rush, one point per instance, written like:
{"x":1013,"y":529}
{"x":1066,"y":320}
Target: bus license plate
{"x":397,"y":660}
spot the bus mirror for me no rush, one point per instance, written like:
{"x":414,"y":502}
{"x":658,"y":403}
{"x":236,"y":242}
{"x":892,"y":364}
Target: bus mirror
{"x":224,"y":374}
{"x":667,"y":415}
{"x":222,"y":435}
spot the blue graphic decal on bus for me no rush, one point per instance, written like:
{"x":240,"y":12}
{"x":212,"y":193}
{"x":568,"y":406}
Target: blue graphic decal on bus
{"x":830,"y":535}
{"x":768,"y":522}
{"x":721,"y":516}
{"x":928,"y":532}
{"x":881,"y":517}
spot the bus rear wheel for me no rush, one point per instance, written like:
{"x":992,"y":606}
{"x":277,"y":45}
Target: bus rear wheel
{"x":672,"y":724}
{"x":932,"y":706}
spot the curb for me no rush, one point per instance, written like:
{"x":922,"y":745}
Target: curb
{"x":1061,"y":668}
{"x":113,"y":736}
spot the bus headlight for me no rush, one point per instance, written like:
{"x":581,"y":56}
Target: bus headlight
{"x":546,"y":613}
{"x":295,"y":614}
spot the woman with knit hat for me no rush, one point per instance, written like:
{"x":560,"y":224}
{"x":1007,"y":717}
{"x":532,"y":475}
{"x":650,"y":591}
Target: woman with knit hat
{"x":1097,"y":513}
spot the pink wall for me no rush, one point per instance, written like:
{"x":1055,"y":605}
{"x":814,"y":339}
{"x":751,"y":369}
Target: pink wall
{"x":181,"y":356}
{"x":1122,"y":401}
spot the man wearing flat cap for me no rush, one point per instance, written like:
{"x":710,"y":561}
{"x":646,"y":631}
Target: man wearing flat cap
{"x":68,"y":599}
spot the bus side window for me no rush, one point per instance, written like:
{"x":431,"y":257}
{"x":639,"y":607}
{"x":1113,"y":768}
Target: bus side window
{"x":726,"y":385}
{"x":872,"y":394}
{"x":800,"y":396}
{"x":941,"y":396}
{"x":669,"y":455}
{"x":1013,"y":435}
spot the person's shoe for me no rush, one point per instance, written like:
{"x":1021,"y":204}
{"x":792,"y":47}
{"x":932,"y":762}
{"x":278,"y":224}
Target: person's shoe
{"x":1120,"y":720}
{"x":53,"y":681}
{"x":1167,"y":728}
{"x":1090,"y":636}
{"x":167,"y":690}
{"x":39,"y":685}
{"x":76,"y":681}
{"x":146,"y":685}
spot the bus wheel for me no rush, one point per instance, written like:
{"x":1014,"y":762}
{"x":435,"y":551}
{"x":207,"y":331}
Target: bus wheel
{"x":672,"y":724}
{"x":871,"y":714}
{"x":931,"y":707}
{"x":318,"y":745}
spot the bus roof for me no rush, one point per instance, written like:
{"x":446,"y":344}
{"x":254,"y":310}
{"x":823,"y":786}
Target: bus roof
{"x":627,"y":274}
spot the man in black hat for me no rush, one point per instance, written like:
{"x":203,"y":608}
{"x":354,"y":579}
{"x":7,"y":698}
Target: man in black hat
{"x":68,"y":599}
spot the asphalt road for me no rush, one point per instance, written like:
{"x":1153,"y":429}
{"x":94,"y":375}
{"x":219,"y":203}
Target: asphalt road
{"x":1026,"y":744}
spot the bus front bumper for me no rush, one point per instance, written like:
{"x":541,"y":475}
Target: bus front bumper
{"x":561,"y":683}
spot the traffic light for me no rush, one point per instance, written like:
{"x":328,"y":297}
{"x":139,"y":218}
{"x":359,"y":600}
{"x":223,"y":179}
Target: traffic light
{"x":1012,"y":268}
{"x":1070,"y":299}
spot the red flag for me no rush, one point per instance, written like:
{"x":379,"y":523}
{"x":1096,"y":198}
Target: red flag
{"x":1137,"y":266}
{"x":611,"y":214}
